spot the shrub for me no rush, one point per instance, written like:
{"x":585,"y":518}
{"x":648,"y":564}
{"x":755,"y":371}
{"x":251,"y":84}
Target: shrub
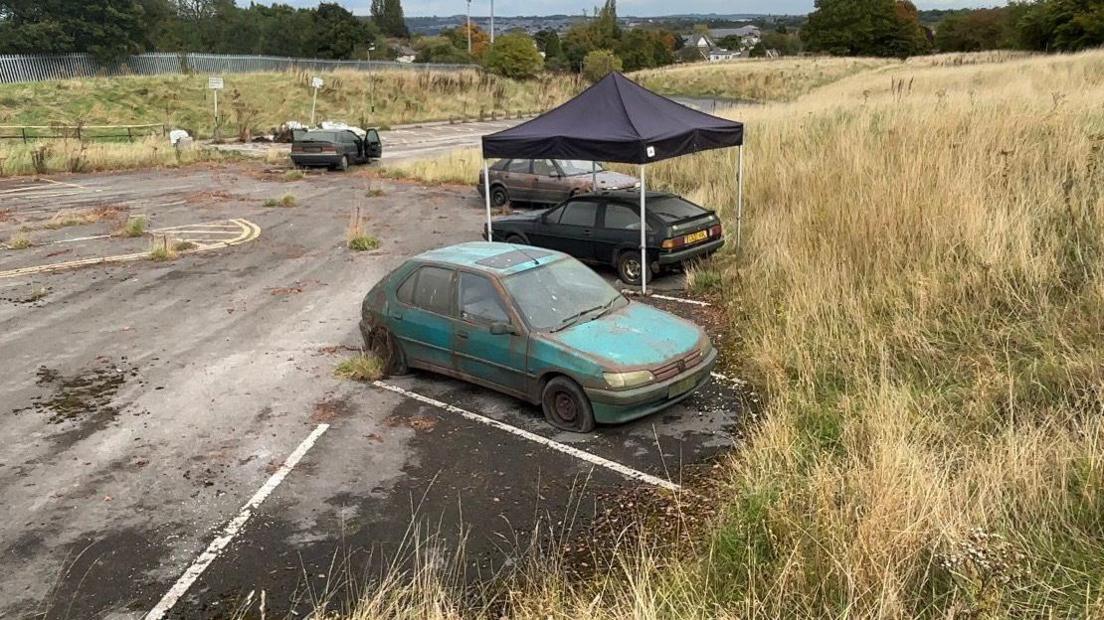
{"x":515,"y":56}
{"x":135,"y":227}
{"x":363,"y":367}
{"x":287,"y":200}
{"x":19,"y":241}
{"x":599,"y":63}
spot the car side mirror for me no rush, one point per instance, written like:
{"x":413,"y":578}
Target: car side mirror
{"x":502,"y":329}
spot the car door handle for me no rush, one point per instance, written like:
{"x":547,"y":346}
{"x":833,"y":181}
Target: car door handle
{"x":586,"y":233}
{"x":462,"y":334}
{"x":397,"y":316}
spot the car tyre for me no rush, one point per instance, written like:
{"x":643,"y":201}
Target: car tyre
{"x":499,"y":196}
{"x":343,"y":165}
{"x":383,"y":345}
{"x":628,"y":267}
{"x":566,"y":406}
{"x":516,"y":240}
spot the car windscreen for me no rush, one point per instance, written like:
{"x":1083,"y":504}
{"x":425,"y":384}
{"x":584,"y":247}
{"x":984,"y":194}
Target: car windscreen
{"x":317,"y":136}
{"x":572,"y":167}
{"x":560,"y":293}
{"x":673,"y":209}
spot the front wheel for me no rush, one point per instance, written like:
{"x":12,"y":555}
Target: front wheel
{"x":566,"y":406}
{"x":629,"y":267}
{"x":343,"y":165}
{"x":383,"y":345}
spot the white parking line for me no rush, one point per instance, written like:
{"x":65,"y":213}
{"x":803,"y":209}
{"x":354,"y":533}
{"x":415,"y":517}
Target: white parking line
{"x":625,"y":471}
{"x":232,"y":529}
{"x":681,"y":300}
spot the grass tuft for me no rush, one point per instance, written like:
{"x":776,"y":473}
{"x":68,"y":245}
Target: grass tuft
{"x":363,"y":243}
{"x":162,"y":249}
{"x":184,"y":246}
{"x":364,"y":367}
{"x":19,"y":241}
{"x":294,"y":175}
{"x":135,"y":227}
{"x":285,"y":201}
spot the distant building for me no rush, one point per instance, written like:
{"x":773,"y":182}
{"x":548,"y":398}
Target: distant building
{"x":718,"y":54}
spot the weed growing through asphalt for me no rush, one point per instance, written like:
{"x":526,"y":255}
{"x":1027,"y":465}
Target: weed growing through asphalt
{"x":19,"y":241}
{"x":703,"y":278}
{"x":287,"y":200}
{"x":162,"y":249}
{"x":184,"y":246}
{"x":294,"y":175}
{"x":362,"y":367}
{"x":135,"y":227}
{"x":356,"y":238}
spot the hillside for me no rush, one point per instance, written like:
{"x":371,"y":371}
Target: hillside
{"x":920,"y":297}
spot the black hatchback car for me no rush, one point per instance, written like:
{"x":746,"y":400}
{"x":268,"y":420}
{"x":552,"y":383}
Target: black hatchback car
{"x":604,"y":228}
{"x":334,"y":148}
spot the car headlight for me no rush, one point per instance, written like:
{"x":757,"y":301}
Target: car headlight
{"x":628,"y":379}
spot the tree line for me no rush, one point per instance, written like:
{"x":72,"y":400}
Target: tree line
{"x":113,"y":29}
{"x":895,"y":28}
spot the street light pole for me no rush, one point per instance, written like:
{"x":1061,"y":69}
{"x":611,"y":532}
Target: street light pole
{"x":492,"y":22}
{"x":371,"y":82}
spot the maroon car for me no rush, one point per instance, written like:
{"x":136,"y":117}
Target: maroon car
{"x":548,"y":181}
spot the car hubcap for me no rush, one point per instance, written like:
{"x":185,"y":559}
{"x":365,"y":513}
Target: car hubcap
{"x":632,"y":269}
{"x":565,"y":408}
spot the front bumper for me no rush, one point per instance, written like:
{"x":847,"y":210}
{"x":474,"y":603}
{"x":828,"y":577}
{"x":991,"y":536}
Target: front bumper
{"x":617,"y":406}
{"x":698,"y":251}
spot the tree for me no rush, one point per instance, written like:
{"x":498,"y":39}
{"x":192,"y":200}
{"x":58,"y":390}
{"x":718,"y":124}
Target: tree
{"x":440,"y":49}
{"x":339,"y":33}
{"x":107,"y":29}
{"x":865,"y":28}
{"x":976,"y":30}
{"x":514,"y":55}
{"x":480,"y":41}
{"x":600,"y":63}
{"x":1059,"y":25}
{"x":391,"y":20}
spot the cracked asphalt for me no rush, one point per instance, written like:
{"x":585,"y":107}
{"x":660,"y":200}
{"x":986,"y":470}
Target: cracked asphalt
{"x":142,"y":404}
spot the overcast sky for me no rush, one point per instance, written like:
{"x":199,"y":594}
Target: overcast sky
{"x":640,"y":8}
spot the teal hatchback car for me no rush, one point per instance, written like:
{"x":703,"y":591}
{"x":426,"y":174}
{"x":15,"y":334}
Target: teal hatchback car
{"x":538,"y":325}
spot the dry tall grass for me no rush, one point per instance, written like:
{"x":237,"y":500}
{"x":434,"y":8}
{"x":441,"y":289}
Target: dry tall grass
{"x":921,"y":294}
{"x":257,"y":102}
{"x":462,"y":166}
{"x":54,"y":156}
{"x":755,"y":80}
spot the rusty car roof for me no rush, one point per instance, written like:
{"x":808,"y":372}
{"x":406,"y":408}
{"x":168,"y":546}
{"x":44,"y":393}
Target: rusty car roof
{"x":496,"y":258}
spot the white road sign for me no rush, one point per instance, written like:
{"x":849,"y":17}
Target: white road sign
{"x":214,"y":83}
{"x":316,"y":82}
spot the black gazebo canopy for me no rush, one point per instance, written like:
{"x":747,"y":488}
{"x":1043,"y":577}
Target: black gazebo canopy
{"x":617,"y":120}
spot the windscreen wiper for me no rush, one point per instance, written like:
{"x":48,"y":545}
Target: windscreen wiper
{"x":574,"y":318}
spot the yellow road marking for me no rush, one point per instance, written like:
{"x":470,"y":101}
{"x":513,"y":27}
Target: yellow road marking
{"x":248,"y":232}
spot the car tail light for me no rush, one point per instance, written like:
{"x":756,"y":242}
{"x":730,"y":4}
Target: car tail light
{"x":715,"y":230}
{"x":670,"y":244}
{"x":329,"y":149}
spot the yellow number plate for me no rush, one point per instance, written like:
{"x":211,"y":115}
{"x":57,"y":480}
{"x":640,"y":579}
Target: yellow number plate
{"x":698,"y":236}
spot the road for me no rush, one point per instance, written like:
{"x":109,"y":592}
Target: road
{"x":155,"y":410}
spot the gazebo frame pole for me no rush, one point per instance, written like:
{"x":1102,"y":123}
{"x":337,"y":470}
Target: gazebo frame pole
{"x":739,"y":191}
{"x":593,"y":176}
{"x":643,"y":238}
{"x":487,"y":196}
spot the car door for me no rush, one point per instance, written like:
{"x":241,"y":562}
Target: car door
{"x":573,"y":233}
{"x":619,"y":228}
{"x":490,"y":347}
{"x":349,"y":145}
{"x":519,"y":180}
{"x":422,"y":320}
{"x":375,"y":144}
{"x":548,"y":182}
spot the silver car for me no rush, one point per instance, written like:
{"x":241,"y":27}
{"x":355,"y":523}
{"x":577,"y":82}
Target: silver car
{"x":548,"y":181}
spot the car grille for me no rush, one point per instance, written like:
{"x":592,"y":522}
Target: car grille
{"x":678,"y":366}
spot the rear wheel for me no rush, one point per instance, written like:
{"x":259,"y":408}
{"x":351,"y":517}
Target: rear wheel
{"x":566,"y":406}
{"x":343,"y":165}
{"x":516,"y":240}
{"x":384,"y":346}
{"x":629,"y":267}
{"x":499,"y":196}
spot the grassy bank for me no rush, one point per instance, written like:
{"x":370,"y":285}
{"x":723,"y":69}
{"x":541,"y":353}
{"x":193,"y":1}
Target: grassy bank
{"x":262,"y":101}
{"x":920,"y":294}
{"x":53,"y":156}
{"x":755,"y":80}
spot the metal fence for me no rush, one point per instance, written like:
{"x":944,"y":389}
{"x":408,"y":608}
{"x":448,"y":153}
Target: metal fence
{"x":36,"y":68}
{"x":112,"y":133}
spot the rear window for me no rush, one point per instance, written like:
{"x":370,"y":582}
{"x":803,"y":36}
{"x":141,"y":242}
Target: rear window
{"x":432,"y":290}
{"x":317,"y":136}
{"x":673,"y":209}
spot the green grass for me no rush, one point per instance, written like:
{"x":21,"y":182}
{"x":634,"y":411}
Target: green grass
{"x":19,"y":241}
{"x":135,"y":226}
{"x":184,"y":246}
{"x":364,"y":367}
{"x":294,"y":175}
{"x":363,"y":243}
{"x":285,"y":201}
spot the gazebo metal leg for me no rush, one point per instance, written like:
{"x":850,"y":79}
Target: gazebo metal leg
{"x":739,"y":192}
{"x":643,"y":238}
{"x":487,"y":196}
